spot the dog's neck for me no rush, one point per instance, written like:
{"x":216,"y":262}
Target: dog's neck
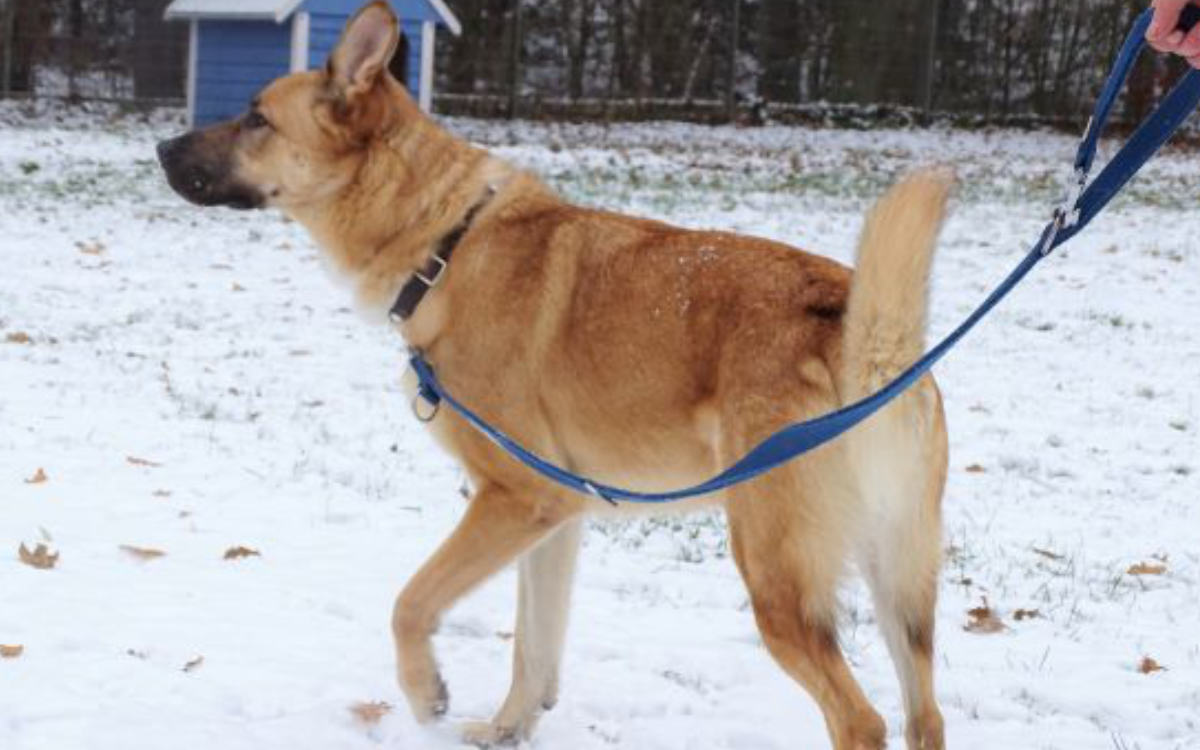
{"x":413,"y":186}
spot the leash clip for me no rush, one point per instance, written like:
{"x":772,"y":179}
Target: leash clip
{"x":1066,"y":213}
{"x":595,"y":492}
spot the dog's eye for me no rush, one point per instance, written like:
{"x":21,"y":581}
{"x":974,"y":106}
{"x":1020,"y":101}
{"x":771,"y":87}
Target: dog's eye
{"x":255,"y":120}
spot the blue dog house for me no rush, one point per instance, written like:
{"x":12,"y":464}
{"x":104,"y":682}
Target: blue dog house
{"x":238,"y":46}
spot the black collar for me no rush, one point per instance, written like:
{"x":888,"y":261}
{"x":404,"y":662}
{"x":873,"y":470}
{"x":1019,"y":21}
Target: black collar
{"x":428,"y":276}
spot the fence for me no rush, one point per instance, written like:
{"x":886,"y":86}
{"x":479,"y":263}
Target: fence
{"x":965,"y":61}
{"x":95,"y":50}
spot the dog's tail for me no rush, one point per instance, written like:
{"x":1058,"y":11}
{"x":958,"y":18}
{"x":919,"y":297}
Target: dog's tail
{"x":884,"y":326}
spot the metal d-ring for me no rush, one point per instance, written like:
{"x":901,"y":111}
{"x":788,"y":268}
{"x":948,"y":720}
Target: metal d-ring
{"x":416,"y":408}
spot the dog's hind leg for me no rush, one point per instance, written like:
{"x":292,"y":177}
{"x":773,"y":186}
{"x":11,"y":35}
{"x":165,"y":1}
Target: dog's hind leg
{"x":788,"y":539}
{"x":545,"y":575}
{"x":498,"y":526}
{"x":900,"y":556}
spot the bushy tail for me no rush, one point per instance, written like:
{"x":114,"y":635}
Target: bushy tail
{"x":884,"y":326}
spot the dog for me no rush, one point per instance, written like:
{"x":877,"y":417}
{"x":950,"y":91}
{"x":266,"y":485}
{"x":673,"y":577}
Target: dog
{"x":631,"y":351}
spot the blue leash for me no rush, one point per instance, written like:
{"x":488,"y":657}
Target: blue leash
{"x":1081,"y":204}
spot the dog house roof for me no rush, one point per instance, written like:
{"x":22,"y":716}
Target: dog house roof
{"x":273,"y":10}
{"x":257,"y":10}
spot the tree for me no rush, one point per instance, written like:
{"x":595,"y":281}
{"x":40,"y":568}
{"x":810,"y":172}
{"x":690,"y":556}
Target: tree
{"x":159,"y":58}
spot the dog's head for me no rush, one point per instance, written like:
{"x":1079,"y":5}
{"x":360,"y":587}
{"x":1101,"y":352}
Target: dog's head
{"x":304,"y":136}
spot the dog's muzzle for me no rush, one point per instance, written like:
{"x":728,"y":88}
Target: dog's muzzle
{"x":201,"y":182}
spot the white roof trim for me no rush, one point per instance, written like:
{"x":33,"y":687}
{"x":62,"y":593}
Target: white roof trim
{"x":261,"y":10}
{"x":448,"y":17}
{"x":271,"y":10}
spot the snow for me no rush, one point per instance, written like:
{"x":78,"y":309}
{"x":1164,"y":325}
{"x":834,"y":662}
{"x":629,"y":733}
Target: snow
{"x":212,"y":344}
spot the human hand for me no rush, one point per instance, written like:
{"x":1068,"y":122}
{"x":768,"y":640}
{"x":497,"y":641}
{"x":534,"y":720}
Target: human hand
{"x":1165,"y":37}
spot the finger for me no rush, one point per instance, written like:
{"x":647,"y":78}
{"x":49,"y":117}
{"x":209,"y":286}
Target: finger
{"x":1190,"y":46}
{"x":1171,"y":42}
{"x":1166,"y":18}
{"x":1194,"y":61}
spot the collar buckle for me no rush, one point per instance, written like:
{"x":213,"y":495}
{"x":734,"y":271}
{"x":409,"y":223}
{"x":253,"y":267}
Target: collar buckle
{"x":441,"y":264}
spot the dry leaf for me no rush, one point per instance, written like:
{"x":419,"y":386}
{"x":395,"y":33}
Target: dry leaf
{"x":1026,"y":614}
{"x":11,"y":652}
{"x":192,"y":665}
{"x":238,"y":287}
{"x":162,"y":493}
{"x":142,"y":462}
{"x":142,"y":553}
{"x":370,"y":713}
{"x":41,"y":557}
{"x":234,"y":553}
{"x":38,"y":477}
{"x":90,"y":248}
{"x":135,"y":653}
{"x":1048,"y":554}
{"x":1147,"y":569}
{"x":18,"y":337}
{"x":983,"y":620}
{"x":975,"y":469}
{"x":1149,"y":666}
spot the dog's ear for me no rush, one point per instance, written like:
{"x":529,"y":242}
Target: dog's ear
{"x":362,"y":55}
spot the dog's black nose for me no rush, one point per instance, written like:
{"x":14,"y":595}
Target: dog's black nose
{"x":166,"y":150}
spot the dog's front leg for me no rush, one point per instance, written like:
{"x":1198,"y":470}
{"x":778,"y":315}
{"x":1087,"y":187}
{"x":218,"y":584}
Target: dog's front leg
{"x":498,"y":526}
{"x":546,"y":573}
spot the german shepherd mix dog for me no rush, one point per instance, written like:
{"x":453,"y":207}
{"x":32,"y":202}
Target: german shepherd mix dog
{"x":631,"y":351}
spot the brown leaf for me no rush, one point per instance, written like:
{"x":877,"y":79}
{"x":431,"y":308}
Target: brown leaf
{"x":234,"y":553}
{"x":142,"y":462}
{"x":1147,"y":569}
{"x":11,"y":652}
{"x":91,"y":248}
{"x":238,"y":287}
{"x":975,"y":469}
{"x":1149,"y":666}
{"x":18,"y":337}
{"x":142,"y":553}
{"x":1026,"y":614}
{"x":1048,"y":554}
{"x":370,"y":713}
{"x":38,"y":477}
{"x":41,"y":557}
{"x":983,"y":620}
{"x":193,"y":664}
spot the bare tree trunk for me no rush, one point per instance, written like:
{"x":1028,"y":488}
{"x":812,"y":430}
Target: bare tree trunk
{"x":735,"y":30}
{"x":159,"y":59}
{"x":9,"y":19}
{"x":514,"y":62}
{"x":577,"y":45}
{"x":689,"y":85}
{"x":778,"y":50}
{"x":617,"y":57}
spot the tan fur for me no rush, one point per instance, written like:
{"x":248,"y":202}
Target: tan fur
{"x":640,"y":354}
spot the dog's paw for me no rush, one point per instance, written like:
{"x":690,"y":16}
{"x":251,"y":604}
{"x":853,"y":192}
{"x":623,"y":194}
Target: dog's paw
{"x":926,"y":732}
{"x":485,"y":734}
{"x":431,"y":702}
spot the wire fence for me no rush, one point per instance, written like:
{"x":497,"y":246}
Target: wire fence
{"x":1015,"y":62}
{"x":92,"y":50}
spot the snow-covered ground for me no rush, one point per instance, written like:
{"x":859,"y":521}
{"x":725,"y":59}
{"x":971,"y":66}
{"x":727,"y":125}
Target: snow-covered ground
{"x":192,"y":381}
